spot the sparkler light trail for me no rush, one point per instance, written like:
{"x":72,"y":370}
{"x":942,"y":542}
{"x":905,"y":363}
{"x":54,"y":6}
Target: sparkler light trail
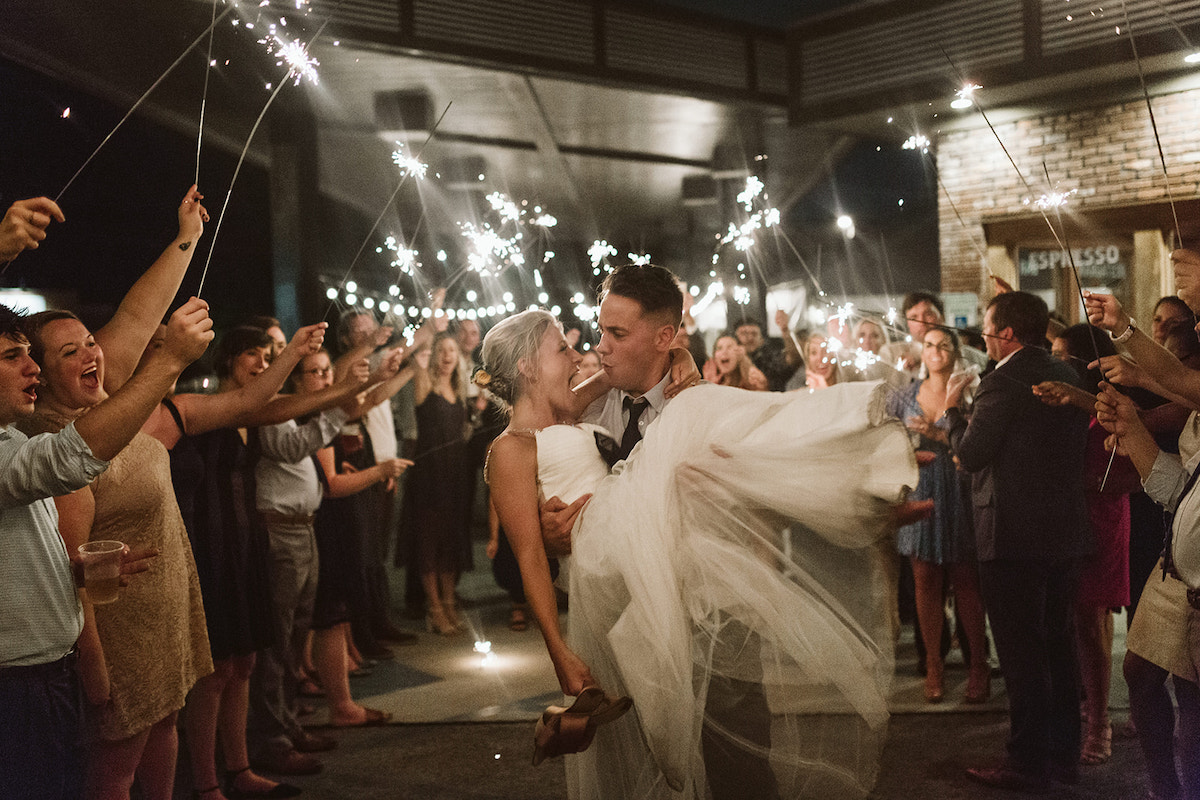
{"x":403,"y":179}
{"x":1162,"y":159}
{"x":204,"y":95}
{"x":140,"y":100}
{"x":212,"y":247}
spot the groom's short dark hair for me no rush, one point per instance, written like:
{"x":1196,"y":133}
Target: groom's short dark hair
{"x":655,"y":289}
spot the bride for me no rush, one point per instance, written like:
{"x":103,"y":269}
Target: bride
{"x":682,"y":594}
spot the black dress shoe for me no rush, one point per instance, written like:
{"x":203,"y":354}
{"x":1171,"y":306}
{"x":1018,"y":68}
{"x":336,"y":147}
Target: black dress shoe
{"x":1011,"y":779}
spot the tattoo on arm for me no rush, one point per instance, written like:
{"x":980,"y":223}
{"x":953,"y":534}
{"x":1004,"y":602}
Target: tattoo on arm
{"x":184,"y":245}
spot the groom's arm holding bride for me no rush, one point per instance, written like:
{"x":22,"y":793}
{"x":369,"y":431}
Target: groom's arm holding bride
{"x":558,"y":518}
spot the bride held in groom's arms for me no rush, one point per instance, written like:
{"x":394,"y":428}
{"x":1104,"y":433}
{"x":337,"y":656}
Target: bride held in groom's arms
{"x":744,"y":666}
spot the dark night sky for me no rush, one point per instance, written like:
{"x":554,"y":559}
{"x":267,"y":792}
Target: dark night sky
{"x":121,"y":211}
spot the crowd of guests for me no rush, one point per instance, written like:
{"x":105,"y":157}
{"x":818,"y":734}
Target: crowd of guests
{"x":257,"y":520}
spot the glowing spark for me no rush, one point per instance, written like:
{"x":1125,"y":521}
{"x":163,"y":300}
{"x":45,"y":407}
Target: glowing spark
{"x":754,"y":188}
{"x":968,"y":91}
{"x":893,"y":316}
{"x":599,"y":251}
{"x":545,"y":221}
{"x":741,"y":295}
{"x":295,"y":54}
{"x":917,"y":142}
{"x":507,"y":208}
{"x":1051,"y":200}
{"x":639,"y":260}
{"x":66,"y":112}
{"x":490,"y":250}
{"x":406,"y":258}
{"x":843,"y":312}
{"x":409,"y":165}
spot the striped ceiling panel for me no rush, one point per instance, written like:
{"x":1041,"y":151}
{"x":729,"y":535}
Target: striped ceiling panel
{"x":652,"y":45}
{"x":554,"y":29}
{"x":380,"y":15}
{"x":904,"y":49}
{"x":1076,"y":24}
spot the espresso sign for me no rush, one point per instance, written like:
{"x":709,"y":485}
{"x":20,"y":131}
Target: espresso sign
{"x":1101,"y":265}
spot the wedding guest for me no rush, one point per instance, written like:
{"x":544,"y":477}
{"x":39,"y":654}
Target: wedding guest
{"x":212,"y":471}
{"x":1031,"y":534}
{"x":141,"y":656}
{"x":766,"y":354}
{"x":730,"y":366}
{"x":437,"y":486}
{"x":1158,"y":644}
{"x":342,"y":540}
{"x":42,"y":731}
{"x":1104,"y":578}
{"x":288,"y":493}
{"x":942,"y":545}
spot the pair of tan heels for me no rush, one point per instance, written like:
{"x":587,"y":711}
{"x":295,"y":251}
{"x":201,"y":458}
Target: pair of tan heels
{"x":570,"y":730}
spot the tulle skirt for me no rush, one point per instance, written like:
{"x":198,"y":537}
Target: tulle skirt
{"x":726,"y":579}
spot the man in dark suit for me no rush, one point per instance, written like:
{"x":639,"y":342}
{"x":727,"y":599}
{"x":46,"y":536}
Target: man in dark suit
{"x":1031,"y":530}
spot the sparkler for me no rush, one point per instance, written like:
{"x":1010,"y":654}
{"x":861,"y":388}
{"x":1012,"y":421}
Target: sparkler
{"x":409,"y":165}
{"x":246,"y":148}
{"x":294,"y":54}
{"x":140,"y":100}
{"x":403,"y":179}
{"x":204,"y":95}
{"x":1162,"y":159}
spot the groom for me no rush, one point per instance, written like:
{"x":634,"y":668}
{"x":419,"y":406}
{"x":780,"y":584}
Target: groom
{"x":641,"y":309}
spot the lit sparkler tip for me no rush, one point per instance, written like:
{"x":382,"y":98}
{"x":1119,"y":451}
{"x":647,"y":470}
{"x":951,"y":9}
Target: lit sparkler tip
{"x":967,"y":92}
{"x":754,"y":187}
{"x":409,"y":165}
{"x":295,"y":55}
{"x":1052,"y":199}
{"x":639,"y":260}
{"x":599,"y":251}
{"x":917,"y":142}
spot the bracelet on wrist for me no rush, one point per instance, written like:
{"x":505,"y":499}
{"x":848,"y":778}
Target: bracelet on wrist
{"x":1128,"y":332}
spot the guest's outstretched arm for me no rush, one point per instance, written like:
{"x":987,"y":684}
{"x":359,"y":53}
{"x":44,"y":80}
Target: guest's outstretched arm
{"x":126,"y":335}
{"x":251,"y":405}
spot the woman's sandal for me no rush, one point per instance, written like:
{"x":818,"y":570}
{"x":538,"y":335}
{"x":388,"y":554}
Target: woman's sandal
{"x":571,"y":730}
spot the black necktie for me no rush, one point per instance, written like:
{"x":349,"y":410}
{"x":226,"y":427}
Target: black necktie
{"x":632,"y":434}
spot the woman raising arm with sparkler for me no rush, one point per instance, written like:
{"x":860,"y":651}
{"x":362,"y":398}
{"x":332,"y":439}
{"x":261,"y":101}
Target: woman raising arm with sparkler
{"x":1156,"y":362}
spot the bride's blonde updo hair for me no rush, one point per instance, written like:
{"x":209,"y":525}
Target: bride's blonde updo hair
{"x":515,"y":338}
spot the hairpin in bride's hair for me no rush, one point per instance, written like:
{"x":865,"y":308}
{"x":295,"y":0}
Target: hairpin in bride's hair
{"x":481,"y":377}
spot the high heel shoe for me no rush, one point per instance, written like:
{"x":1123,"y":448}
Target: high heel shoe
{"x":933,"y":681}
{"x":979,"y":685}
{"x":571,"y":730}
{"x":437,"y":622}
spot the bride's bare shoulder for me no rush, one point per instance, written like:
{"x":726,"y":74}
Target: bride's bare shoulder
{"x":511,"y":452}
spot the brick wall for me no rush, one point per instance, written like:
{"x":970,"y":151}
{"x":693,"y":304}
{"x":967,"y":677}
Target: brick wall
{"x":1108,"y":154}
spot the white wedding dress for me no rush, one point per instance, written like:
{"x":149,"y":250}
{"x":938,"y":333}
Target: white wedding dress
{"x":682,"y":596}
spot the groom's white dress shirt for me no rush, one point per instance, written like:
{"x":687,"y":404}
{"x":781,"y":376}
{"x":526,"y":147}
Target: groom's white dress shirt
{"x":608,"y":410}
